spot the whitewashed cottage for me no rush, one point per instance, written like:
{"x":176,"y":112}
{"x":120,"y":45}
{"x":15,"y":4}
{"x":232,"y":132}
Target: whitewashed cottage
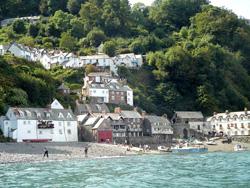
{"x":54,"y":124}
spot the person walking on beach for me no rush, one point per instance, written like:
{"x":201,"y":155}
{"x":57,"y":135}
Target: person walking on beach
{"x":86,"y":151}
{"x":46,"y":153}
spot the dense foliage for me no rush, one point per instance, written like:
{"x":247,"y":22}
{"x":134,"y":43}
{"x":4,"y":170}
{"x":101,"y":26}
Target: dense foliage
{"x":28,"y":84}
{"x":197,"y":55}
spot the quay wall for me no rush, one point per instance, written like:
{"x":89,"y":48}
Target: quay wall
{"x":243,"y":139}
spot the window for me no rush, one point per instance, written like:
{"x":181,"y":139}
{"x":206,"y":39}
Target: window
{"x":51,"y":131}
{"x":242,"y":133}
{"x":94,"y":91}
{"x":60,"y":115}
{"x":60,"y":131}
{"x":28,"y":122}
{"x":228,"y":126}
{"x":199,"y":127}
{"x":28,"y":131}
{"x":60,"y":123}
{"x":112,"y":98}
{"x":68,"y":123}
{"x":69,"y":131}
{"x":122,"y":98}
{"x":235,"y":126}
{"x":24,"y":122}
{"x":242,"y":125}
{"x":236,"y":132}
{"x":220,"y":126}
{"x":40,"y":132}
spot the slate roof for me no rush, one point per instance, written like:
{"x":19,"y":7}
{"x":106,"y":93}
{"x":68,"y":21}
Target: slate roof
{"x":91,"y":108}
{"x":130,"y":114}
{"x":114,"y":86}
{"x":43,"y":114}
{"x":189,"y":114}
{"x":159,"y":120}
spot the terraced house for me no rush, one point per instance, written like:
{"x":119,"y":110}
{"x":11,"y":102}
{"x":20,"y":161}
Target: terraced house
{"x":231,"y":123}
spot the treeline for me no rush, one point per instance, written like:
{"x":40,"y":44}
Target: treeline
{"x":25,"y":84}
{"x":197,"y":54}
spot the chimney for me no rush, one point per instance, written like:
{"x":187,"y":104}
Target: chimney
{"x":135,"y":109}
{"x":215,"y":113}
{"x":143,"y":114}
{"x":118,"y":110}
{"x":227,"y":112}
{"x":165,"y":116}
{"x":245,"y":110}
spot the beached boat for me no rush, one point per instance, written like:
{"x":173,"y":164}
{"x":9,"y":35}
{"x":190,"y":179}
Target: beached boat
{"x":163,"y":149}
{"x":211,"y":143}
{"x":188,"y":149}
{"x":238,"y":147}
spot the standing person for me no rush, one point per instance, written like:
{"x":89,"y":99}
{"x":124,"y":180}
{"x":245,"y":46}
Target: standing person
{"x":46,"y":153}
{"x":86,"y":151}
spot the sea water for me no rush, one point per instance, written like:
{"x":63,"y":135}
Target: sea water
{"x":169,"y":170}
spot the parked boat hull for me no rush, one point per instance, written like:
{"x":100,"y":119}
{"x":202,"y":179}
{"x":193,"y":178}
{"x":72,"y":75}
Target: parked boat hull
{"x":189,"y":150}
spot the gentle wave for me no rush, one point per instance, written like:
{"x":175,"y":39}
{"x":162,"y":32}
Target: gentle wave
{"x":192,"y":170}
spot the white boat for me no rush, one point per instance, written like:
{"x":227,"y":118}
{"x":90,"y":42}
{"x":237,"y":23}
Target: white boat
{"x":163,"y":149}
{"x":188,"y":149}
{"x":211,"y":143}
{"x":197,"y":142}
{"x":238,"y":147}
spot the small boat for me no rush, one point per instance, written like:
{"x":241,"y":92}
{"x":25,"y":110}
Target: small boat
{"x":197,"y":142}
{"x":188,"y":149}
{"x":211,"y":143}
{"x":238,"y":147}
{"x":163,"y":149}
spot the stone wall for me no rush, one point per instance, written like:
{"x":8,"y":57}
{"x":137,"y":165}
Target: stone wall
{"x":243,"y":139}
{"x":149,"y":140}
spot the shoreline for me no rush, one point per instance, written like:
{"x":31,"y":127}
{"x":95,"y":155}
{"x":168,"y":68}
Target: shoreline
{"x":11,"y":153}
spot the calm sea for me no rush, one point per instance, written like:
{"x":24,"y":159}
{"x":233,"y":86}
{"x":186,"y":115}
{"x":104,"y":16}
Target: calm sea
{"x":170,"y":170}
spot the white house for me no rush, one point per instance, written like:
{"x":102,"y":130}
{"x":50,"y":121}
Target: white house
{"x":3,"y":49}
{"x":128,"y":60}
{"x":105,"y":89}
{"x":231,"y":123}
{"x":100,"y":60}
{"x":54,"y":124}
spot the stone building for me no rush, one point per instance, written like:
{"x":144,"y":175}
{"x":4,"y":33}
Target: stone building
{"x":158,"y":127}
{"x":188,"y":124}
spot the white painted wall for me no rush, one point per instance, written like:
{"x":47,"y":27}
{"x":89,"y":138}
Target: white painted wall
{"x":130,"y":98}
{"x":63,"y":131}
{"x":104,"y":93}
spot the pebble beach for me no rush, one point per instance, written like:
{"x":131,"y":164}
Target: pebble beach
{"x":33,"y":152}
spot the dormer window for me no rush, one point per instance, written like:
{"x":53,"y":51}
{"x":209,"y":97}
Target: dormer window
{"x":60,"y":115}
{"x":69,"y":115}
{"x":39,"y":115}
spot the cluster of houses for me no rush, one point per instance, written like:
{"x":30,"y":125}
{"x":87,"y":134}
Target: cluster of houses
{"x":57,"y":124}
{"x":52,"y":58}
{"x":102,"y":87}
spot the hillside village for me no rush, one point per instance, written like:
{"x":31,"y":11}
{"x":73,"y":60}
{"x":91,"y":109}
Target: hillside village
{"x":181,"y":68}
{"x":93,"y":121}
{"x":53,"y":58}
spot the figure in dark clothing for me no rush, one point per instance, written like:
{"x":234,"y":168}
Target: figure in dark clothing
{"x":86,"y":151}
{"x":46,"y":153}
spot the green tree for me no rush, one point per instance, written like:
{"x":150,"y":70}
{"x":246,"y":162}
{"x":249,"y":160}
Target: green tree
{"x":91,"y":15}
{"x":19,"y":27}
{"x":109,"y":48}
{"x":17,"y":97}
{"x":74,"y":6}
{"x":67,"y":42}
{"x":96,"y":37}
{"x":77,"y":28}
{"x":33,"y":30}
